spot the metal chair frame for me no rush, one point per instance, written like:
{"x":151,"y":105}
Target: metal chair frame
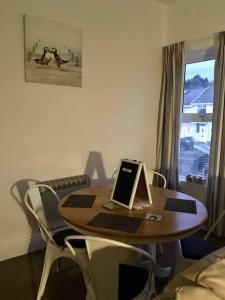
{"x":95,"y":244}
{"x":182,"y":262}
{"x":53,"y":251}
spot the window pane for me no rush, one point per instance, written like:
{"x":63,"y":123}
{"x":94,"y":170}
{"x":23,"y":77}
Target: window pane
{"x":196,"y":126}
{"x":199,"y":87}
{"x":194,"y":149}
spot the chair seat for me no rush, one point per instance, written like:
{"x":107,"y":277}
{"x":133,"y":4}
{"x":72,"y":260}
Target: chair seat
{"x":132,"y":280}
{"x":60,"y":236}
{"x":197,"y":248}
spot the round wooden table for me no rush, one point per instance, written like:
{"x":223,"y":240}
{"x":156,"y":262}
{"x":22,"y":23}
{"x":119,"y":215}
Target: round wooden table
{"x":173,"y":225}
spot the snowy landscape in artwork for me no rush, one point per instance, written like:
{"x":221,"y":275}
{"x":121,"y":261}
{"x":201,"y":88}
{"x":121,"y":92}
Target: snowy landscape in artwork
{"x":53,"y":52}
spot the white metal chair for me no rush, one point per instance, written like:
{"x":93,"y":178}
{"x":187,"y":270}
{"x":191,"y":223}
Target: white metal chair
{"x":192,"y":248}
{"x":116,"y":270}
{"x":56,"y":247}
{"x":151,"y":176}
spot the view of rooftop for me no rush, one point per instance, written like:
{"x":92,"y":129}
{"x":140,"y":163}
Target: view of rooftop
{"x":195,"y":132}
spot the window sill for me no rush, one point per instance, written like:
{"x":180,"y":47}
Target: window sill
{"x":193,"y":184}
{"x":192,"y":189}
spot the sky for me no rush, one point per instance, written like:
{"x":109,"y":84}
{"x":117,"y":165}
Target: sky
{"x":204,"y":68}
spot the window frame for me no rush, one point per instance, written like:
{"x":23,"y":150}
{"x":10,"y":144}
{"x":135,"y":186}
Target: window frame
{"x":195,"y":54}
{"x":196,"y":117}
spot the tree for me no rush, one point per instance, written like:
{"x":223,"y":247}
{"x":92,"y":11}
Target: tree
{"x":196,"y":82}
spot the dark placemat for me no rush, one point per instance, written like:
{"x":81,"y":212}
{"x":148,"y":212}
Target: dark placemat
{"x":181,"y":205}
{"x":116,"y":222}
{"x":79,"y":201}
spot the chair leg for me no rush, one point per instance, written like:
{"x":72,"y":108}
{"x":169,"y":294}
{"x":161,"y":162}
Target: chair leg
{"x":153,"y":292}
{"x":161,"y":272}
{"x":161,"y":248}
{"x":50,"y":257}
{"x":152,"y":250}
{"x":58,"y":266}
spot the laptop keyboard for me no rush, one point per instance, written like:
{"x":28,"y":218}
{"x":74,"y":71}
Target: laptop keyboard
{"x":181,"y":205}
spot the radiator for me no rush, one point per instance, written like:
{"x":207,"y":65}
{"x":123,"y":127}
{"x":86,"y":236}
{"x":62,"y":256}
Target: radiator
{"x":62,"y":187}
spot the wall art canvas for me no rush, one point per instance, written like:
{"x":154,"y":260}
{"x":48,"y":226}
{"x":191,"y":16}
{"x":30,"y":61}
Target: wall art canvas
{"x":53,"y":52}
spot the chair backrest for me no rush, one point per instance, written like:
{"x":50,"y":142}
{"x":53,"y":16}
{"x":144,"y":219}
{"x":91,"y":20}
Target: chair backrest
{"x":105,"y":260}
{"x":63,"y":187}
{"x":67,"y":185}
{"x":151,"y":176}
{"x":214,"y":224}
{"x":33,"y":202}
{"x":44,"y":197}
{"x":115,"y":173}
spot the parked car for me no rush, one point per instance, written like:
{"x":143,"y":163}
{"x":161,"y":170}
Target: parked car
{"x":187,"y":143}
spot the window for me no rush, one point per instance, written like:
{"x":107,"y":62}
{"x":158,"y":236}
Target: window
{"x":196,"y":121}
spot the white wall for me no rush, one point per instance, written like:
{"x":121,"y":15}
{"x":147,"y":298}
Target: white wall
{"x":194,"y":19}
{"x":48,"y":131}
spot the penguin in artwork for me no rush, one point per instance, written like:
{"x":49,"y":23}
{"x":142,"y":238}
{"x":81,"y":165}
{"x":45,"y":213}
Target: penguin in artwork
{"x":45,"y":58}
{"x":57,"y":59}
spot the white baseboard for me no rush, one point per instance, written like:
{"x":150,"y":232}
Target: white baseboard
{"x":21,"y":246}
{"x":26,"y":244}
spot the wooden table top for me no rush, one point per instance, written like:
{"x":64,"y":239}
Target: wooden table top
{"x":173,"y":225}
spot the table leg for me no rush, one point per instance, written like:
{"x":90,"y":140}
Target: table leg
{"x":152,"y":250}
{"x":160,"y":271}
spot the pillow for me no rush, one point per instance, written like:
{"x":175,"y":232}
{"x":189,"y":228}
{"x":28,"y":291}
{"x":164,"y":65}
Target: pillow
{"x":213,"y":277}
{"x":195,"y":293}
